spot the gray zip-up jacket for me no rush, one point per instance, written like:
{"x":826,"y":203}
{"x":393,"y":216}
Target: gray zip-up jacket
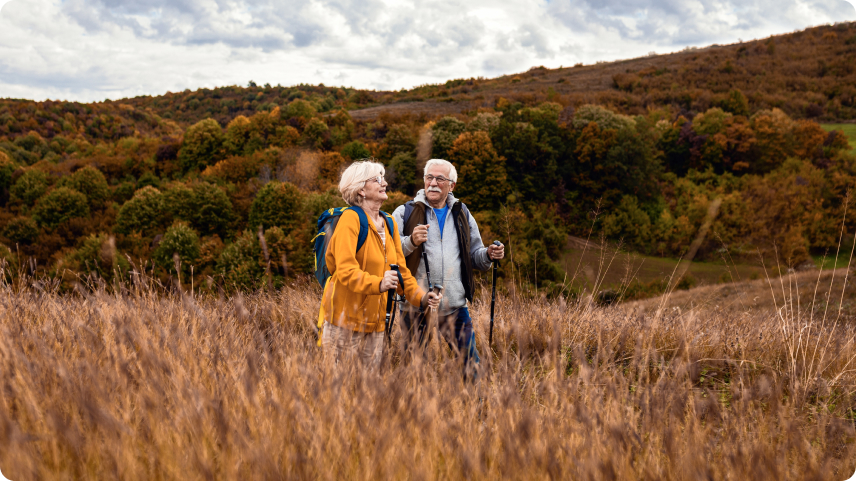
{"x":444,"y":260}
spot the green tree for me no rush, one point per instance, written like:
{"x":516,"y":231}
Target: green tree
{"x":21,"y":230}
{"x":203,"y":145}
{"x":239,"y":264}
{"x":629,"y":222}
{"x":90,"y":182}
{"x":300,"y":108}
{"x":443,"y":134}
{"x":60,"y":205}
{"x":399,"y":140}
{"x":142,"y":213}
{"x":211,"y":209}
{"x":178,"y":239}
{"x":277,"y":204}
{"x":31,"y":185}
{"x":482,"y":181}
{"x":356,"y":150}
{"x":317,"y":134}
{"x":402,"y":173}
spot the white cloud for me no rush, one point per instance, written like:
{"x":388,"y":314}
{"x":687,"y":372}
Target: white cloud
{"x":96,"y":49}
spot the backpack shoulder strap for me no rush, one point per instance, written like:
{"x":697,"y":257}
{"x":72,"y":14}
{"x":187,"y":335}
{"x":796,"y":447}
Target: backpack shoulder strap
{"x":390,"y":224}
{"x":364,"y":225}
{"x":465,"y":211}
{"x":408,"y":209}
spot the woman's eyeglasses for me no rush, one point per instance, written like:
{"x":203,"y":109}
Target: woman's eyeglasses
{"x":379,"y":179}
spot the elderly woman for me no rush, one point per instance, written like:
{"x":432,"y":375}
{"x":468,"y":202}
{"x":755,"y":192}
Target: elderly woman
{"x":354,"y":301}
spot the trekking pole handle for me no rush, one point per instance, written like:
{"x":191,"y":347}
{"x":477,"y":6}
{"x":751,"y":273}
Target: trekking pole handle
{"x":499,"y":244}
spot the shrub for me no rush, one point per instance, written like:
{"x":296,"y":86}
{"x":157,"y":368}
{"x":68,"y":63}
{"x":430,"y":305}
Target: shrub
{"x":60,"y":205}
{"x":21,"y":230}
{"x":604,"y":118}
{"x":142,"y":213}
{"x":178,"y":239}
{"x":277,"y":204}
{"x":629,"y":222}
{"x":203,"y":145}
{"x":90,"y":182}
{"x":31,"y":185}
{"x":356,"y":150}
{"x":97,"y":254}
{"x":486,"y":122}
{"x":239,"y":264}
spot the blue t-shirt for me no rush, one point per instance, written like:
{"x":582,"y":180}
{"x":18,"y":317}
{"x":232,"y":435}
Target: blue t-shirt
{"x":441,"y":217}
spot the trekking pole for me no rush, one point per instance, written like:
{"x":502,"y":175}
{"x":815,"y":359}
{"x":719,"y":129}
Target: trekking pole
{"x":493,"y":296}
{"x":389,"y":303}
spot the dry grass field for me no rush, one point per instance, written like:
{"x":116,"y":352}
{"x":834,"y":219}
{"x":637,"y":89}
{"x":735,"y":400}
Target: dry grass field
{"x":140,"y":382}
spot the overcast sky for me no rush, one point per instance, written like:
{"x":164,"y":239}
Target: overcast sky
{"x":95,"y":49}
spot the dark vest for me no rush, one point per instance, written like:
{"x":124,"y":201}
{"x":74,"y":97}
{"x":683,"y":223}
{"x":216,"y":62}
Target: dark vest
{"x":460,"y":216}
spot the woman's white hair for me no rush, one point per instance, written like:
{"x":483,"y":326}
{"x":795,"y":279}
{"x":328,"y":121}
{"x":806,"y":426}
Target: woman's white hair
{"x":453,"y":174}
{"x":354,"y":179}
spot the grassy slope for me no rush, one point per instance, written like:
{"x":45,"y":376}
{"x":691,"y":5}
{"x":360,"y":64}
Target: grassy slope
{"x":848,"y":129}
{"x":153,"y":385}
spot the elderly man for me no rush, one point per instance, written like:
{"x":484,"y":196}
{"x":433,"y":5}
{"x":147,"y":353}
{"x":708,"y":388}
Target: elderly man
{"x":440,"y":226}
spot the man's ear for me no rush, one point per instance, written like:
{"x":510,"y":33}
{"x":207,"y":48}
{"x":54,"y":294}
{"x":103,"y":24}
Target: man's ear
{"x":451,"y":186}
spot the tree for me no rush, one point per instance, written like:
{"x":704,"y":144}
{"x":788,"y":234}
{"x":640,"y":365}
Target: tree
{"x":142,"y":213}
{"x":443,"y":134}
{"x":402,"y":173}
{"x":356,"y":150}
{"x":60,"y":205}
{"x":317,"y":134}
{"x":21,"y":230}
{"x":482,"y":181}
{"x":31,"y":185}
{"x":301,"y":109}
{"x":277,"y":204}
{"x":239,"y":264}
{"x":203,"y":145}
{"x":178,"y":239}
{"x":399,"y":140}
{"x":90,"y":182}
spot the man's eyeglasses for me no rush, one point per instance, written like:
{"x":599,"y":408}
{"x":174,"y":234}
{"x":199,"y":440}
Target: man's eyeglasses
{"x":440,"y":179}
{"x":379,"y":179}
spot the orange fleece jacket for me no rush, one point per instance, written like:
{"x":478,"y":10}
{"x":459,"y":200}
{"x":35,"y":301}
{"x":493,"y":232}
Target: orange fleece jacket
{"x":352,"y":297}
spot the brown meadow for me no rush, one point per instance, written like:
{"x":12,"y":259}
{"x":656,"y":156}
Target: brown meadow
{"x":137,"y":381}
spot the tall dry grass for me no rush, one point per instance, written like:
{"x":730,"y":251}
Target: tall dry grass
{"x":138,"y":382}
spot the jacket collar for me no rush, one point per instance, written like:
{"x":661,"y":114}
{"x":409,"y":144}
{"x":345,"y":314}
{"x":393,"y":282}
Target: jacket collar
{"x":420,"y":197}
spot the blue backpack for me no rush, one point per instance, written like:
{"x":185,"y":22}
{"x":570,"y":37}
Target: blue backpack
{"x":327,"y":224}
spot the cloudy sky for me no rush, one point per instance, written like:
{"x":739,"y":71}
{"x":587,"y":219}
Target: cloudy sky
{"x":95,"y":49}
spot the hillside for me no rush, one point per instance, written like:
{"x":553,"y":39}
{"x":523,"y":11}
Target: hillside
{"x":233,"y":179}
{"x":807,"y":74}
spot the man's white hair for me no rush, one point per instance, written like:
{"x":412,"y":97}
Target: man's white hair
{"x":354,"y":179}
{"x":453,"y":174}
